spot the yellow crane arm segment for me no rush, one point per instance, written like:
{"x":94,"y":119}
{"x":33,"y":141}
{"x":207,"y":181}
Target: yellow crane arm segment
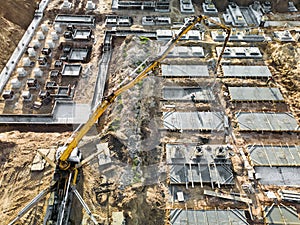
{"x":101,"y":108}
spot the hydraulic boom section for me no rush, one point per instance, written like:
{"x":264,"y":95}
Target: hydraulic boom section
{"x":101,"y":108}
{"x":63,"y":186}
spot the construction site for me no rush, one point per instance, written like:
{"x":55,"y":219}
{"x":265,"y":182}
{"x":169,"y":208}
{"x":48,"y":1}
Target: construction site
{"x":155,"y":112}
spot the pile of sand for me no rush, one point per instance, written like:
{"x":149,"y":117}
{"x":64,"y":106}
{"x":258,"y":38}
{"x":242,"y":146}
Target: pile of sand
{"x":15,"y":16}
{"x":133,"y":51}
{"x":285,"y":68}
{"x":18,"y":185}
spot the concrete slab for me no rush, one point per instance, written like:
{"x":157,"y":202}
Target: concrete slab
{"x":131,"y":5}
{"x":249,"y":16}
{"x":210,"y":24}
{"x":39,"y":163}
{"x":281,"y":214}
{"x":186,"y":6}
{"x":269,"y":155}
{"x":234,"y":16}
{"x":255,"y":94}
{"x":193,"y":153}
{"x":240,"y":52}
{"x":156,"y":20}
{"x":103,"y":67}
{"x":246,"y":71}
{"x":209,"y":8}
{"x":184,"y":71}
{"x":64,"y":112}
{"x":71,"y":70}
{"x":179,"y":121}
{"x":84,"y":20}
{"x":267,"y":122}
{"x":104,"y":157}
{"x":82,"y":34}
{"x":283,"y":36}
{"x":79,"y":55}
{"x":118,"y":218}
{"x":281,"y":176}
{"x":186,"y":52}
{"x":207,"y":217}
{"x":71,"y":113}
{"x":238,"y":36}
{"x":192,"y":174}
{"x":185,"y":93}
{"x":164,"y":34}
{"x":25,"y":119}
{"x":168,"y":34}
{"x":113,"y":21}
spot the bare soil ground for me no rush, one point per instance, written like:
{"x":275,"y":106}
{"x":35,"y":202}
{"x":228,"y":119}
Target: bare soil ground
{"x":13,"y":23}
{"x":139,"y":188}
{"x":18,"y":184}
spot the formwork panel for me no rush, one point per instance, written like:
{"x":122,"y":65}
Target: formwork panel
{"x":193,"y":153}
{"x":25,"y":119}
{"x":191,"y":163}
{"x":208,"y":217}
{"x":185,"y":94}
{"x":240,"y":52}
{"x":281,"y":214}
{"x":72,"y":70}
{"x":246,"y":71}
{"x":255,"y":94}
{"x":187,"y":52}
{"x":201,"y":173}
{"x":281,"y":176}
{"x":78,"y":54}
{"x":75,"y":19}
{"x":275,"y":155}
{"x":184,"y":71}
{"x":66,"y":112}
{"x":82,"y":34}
{"x":267,"y":121}
{"x":193,"y":121}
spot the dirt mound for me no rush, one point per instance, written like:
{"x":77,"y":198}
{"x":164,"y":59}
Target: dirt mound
{"x":133,"y":139}
{"x":285,"y":55}
{"x":18,"y":185}
{"x":286,"y":71}
{"x":145,"y":205}
{"x":19,"y":12}
{"x":15,"y":16}
{"x":126,"y":58}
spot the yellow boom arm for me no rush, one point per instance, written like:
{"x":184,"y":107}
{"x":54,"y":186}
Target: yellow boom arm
{"x":101,"y":108}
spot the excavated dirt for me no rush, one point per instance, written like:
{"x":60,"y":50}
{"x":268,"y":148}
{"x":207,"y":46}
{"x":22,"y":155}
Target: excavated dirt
{"x":18,"y":184}
{"x":134,"y":140}
{"x":285,"y":68}
{"x":13,"y":23}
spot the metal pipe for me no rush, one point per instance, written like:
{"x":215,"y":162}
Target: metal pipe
{"x":30,"y":205}
{"x":86,"y":208}
{"x":63,"y":204}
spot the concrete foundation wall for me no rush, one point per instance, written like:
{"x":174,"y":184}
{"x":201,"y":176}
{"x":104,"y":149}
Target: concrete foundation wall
{"x":277,"y":5}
